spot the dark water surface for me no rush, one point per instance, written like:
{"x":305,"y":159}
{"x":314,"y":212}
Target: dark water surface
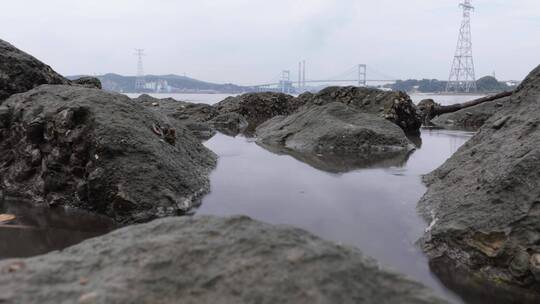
{"x":373,"y":209}
{"x":38,"y":230}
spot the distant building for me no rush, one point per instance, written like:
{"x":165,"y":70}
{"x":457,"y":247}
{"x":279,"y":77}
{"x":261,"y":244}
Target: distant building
{"x":158,"y":86}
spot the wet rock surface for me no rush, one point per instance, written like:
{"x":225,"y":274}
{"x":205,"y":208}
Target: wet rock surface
{"x":483,"y":203}
{"x":470,"y":119}
{"x":396,"y":107}
{"x":257,"y":108}
{"x":204,"y":260}
{"x":20,"y":72}
{"x":103,"y":152}
{"x":336,"y":130}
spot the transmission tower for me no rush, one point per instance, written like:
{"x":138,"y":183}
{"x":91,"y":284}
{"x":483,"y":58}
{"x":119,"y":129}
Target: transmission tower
{"x":140,"y":82}
{"x":462,"y":78}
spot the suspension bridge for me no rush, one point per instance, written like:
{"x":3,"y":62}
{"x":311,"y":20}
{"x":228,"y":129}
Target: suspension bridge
{"x":357,"y":75}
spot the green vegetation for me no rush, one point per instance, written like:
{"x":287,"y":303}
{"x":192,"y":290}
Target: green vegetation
{"x":487,"y":84}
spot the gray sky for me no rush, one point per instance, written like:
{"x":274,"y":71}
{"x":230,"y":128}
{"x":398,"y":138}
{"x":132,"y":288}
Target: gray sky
{"x":251,"y":41}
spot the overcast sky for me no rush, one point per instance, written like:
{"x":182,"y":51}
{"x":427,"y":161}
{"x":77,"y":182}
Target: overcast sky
{"x":251,"y":41}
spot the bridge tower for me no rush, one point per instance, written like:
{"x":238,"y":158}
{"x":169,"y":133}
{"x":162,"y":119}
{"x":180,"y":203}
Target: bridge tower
{"x":139,"y":81}
{"x":362,"y":75}
{"x":462,"y":78}
{"x":285,"y":83}
{"x":301,"y":75}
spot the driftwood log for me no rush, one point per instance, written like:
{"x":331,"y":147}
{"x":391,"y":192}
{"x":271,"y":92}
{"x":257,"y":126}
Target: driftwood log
{"x":429,"y":109}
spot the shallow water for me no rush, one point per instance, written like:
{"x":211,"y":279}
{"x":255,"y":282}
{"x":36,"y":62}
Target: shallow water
{"x":373,"y":209}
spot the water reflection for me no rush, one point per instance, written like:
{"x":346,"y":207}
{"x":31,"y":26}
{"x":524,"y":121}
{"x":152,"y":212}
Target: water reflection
{"x":373,"y":209}
{"x":37,"y":230}
{"x":343,"y":163}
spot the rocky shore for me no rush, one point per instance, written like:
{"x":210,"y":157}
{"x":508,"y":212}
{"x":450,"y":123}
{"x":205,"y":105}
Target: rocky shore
{"x":69,"y":144}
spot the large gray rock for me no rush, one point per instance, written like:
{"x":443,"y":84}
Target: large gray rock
{"x":205,"y":260}
{"x":74,"y":146}
{"x":336,"y":130}
{"x":484,"y":202}
{"x":20,"y":72}
{"x":257,"y":108}
{"x":396,"y":107}
{"x":470,"y":119}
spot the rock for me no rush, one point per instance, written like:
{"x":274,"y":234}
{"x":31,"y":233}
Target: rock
{"x":201,"y":119}
{"x":20,"y":72}
{"x":164,"y":106}
{"x":101,"y":152}
{"x":196,"y":117}
{"x":206,"y":260}
{"x":257,"y":108}
{"x":88,"y":82}
{"x":483,"y":202}
{"x":471,"y":119}
{"x":396,"y":107}
{"x":192,"y":116}
{"x":336,"y":130}
{"x":199,"y":112}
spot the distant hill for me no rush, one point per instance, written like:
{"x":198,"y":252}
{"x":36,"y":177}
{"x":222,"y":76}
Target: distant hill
{"x":487,"y":84}
{"x":164,"y":83}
